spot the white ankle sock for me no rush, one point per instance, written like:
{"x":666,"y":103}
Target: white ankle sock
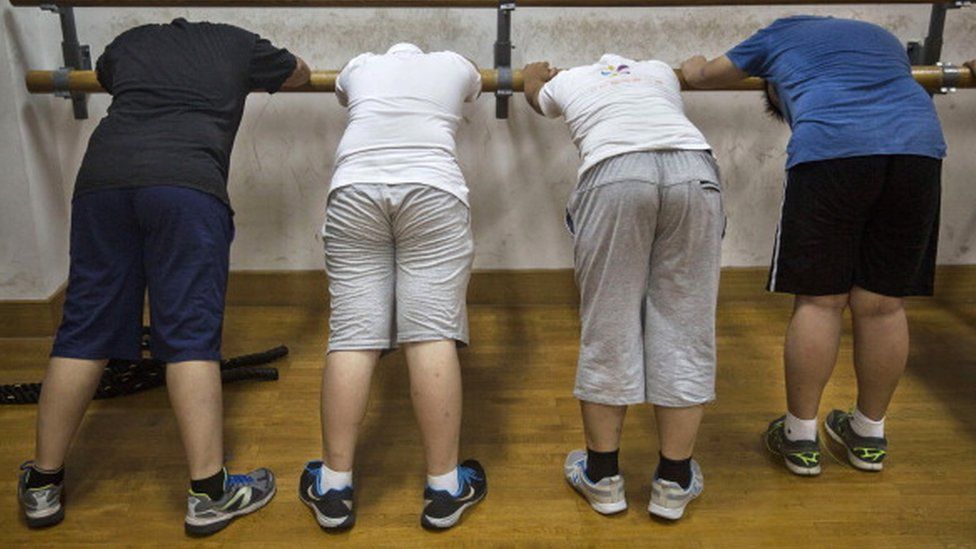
{"x":333,"y":480}
{"x":865,"y":426}
{"x":800,"y":429}
{"x":447,"y":482}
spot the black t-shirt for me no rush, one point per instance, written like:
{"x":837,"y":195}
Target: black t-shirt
{"x":178,"y":92}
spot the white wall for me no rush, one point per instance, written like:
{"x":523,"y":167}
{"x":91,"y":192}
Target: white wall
{"x":521,"y":170}
{"x":33,"y":193}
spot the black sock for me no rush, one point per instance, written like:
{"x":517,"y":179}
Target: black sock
{"x":600,"y":465}
{"x":36,"y":478}
{"x":675,"y":470}
{"x":213,"y":485}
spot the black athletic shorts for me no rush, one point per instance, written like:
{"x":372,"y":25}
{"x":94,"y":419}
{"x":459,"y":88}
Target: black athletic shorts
{"x":867,"y":221}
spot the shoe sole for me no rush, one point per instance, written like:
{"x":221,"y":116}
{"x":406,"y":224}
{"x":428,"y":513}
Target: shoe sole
{"x":603,"y":508}
{"x":855,"y":461}
{"x":329,"y":523}
{"x":802,"y":471}
{"x":208,"y":528}
{"x":46,"y":520}
{"x":665,"y":512}
{"x":433,"y":523}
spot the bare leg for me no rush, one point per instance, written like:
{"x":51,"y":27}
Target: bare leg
{"x":435,"y":388}
{"x":345,"y":396}
{"x":69,"y":385}
{"x":880,"y":349}
{"x":812,"y":341}
{"x":195,"y":394}
{"x":677,"y":429}
{"x":602,"y":425}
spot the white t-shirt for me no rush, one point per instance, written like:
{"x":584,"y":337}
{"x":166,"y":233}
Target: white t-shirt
{"x":404,"y":111}
{"x":618,"y":106}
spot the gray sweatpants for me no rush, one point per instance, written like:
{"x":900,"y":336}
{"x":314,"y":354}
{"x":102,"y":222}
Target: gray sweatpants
{"x":398,"y":258}
{"x":647,"y":238}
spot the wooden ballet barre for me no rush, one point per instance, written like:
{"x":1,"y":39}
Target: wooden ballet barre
{"x":442,"y":3}
{"x":931,"y":77}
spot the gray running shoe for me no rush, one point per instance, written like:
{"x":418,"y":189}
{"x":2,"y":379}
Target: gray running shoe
{"x":243,"y":494}
{"x":864,"y":453}
{"x":669,"y":499}
{"x":802,"y":457}
{"x":42,"y":506}
{"x":605,"y":497}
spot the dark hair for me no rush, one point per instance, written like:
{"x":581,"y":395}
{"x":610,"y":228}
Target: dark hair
{"x":772,"y":102}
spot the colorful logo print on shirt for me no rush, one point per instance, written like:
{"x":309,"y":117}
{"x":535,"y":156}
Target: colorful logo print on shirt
{"x":615,"y":70}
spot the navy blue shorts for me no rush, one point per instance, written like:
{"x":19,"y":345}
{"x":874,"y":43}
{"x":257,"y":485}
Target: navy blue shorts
{"x":175,"y":241}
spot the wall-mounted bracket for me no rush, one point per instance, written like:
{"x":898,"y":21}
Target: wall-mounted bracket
{"x":76,"y":56}
{"x":929,"y":51}
{"x":503,"y":57}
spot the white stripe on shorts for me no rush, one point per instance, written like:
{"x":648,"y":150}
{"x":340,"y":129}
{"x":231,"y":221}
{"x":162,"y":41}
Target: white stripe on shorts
{"x":779,"y":230}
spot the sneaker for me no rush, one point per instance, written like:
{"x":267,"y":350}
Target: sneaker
{"x":605,"y":497}
{"x":243,"y":494}
{"x":42,"y":506}
{"x":802,"y":457}
{"x":443,"y":509}
{"x":333,"y":509}
{"x":864,"y":453}
{"x":669,"y":499}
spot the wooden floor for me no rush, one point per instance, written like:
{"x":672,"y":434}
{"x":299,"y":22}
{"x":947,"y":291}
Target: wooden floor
{"x":126,"y":473}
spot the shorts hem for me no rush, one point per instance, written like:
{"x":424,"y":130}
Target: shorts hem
{"x":83,"y":355}
{"x":680,"y":403}
{"x":361,"y":345}
{"x":189,"y":356}
{"x":608,"y":401}
{"x":903,"y":292}
{"x":422,"y":337}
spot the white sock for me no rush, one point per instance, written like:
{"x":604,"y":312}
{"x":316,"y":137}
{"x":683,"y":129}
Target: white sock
{"x":865,"y":426}
{"x":447,"y":482}
{"x":333,"y":480}
{"x":800,"y":429}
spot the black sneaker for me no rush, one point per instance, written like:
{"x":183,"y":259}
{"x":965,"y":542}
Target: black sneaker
{"x":243,"y":494}
{"x":42,"y":506}
{"x":443,"y":509}
{"x":802,"y":457}
{"x":334,"y":509}
{"x":864,"y":453}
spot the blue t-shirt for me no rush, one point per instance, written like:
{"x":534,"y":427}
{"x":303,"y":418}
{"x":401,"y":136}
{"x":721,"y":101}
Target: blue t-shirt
{"x":845,"y":87}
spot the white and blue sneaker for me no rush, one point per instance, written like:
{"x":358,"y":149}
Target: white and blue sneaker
{"x":605,"y":497}
{"x":443,"y":509}
{"x":334,"y":509}
{"x":669,"y":499}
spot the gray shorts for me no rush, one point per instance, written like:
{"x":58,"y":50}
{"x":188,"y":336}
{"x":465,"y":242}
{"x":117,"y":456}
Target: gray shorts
{"x":398,"y":258}
{"x":647,"y":239}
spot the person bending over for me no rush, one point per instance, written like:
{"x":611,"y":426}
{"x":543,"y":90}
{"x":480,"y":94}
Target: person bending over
{"x":647,"y":224}
{"x":860,"y":217}
{"x":398,"y":254}
{"x":151,"y":210}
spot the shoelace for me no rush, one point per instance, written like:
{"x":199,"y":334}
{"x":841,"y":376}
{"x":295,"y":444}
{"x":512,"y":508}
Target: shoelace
{"x":239,"y":480}
{"x":466,"y":475}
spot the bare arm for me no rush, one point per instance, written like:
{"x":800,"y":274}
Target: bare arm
{"x":703,"y":74}
{"x":299,"y":76}
{"x":534,"y":77}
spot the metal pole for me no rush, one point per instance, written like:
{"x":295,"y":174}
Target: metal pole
{"x":503,"y":58}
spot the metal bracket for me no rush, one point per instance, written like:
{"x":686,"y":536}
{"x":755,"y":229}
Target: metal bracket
{"x":76,"y":57}
{"x":950,"y":77}
{"x":503,"y":57}
{"x":929,"y":51}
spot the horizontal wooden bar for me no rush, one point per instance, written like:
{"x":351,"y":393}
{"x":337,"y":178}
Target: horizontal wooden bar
{"x":929,"y":76}
{"x":443,"y":3}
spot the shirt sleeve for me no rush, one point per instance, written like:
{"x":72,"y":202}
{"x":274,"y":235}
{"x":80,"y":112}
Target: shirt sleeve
{"x":342,"y":80}
{"x":547,"y":99}
{"x":103,"y":69}
{"x":472,"y":87}
{"x":751,"y":55}
{"x":270,"y":66}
